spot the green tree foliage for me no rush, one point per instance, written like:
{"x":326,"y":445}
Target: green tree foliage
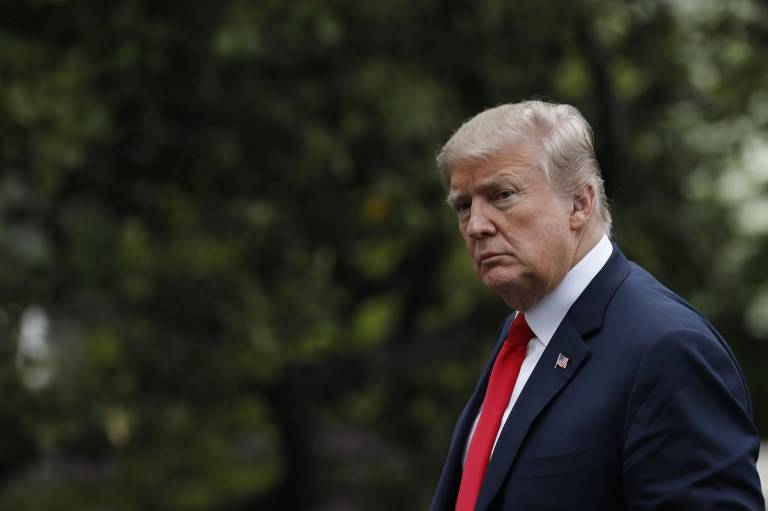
{"x":228,"y":281}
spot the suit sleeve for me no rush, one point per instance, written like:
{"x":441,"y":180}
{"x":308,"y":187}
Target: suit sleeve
{"x":690,"y":443}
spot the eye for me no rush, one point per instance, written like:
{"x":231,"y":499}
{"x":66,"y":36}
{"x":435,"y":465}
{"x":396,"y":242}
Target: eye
{"x":503,"y":195}
{"x":462,"y":208}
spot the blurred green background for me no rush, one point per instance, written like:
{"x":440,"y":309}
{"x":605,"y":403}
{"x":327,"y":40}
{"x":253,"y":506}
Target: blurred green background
{"x":227,"y":277}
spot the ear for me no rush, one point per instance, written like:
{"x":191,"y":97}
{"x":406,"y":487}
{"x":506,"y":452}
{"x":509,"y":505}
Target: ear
{"x":582,"y":205}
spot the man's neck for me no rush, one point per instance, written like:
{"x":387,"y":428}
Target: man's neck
{"x":588,"y":240}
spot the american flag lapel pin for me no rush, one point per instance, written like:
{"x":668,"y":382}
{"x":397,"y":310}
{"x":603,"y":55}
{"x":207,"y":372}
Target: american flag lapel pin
{"x":562,"y":361}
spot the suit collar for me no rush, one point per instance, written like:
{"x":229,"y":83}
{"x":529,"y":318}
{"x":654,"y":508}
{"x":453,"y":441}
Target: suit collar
{"x":588,"y":311}
{"x":545,"y":316}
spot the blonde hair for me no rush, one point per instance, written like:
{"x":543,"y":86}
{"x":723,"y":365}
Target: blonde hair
{"x":567,"y":155}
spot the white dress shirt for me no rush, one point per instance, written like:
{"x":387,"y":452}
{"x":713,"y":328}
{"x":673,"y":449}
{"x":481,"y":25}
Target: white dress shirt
{"x":546,"y":315}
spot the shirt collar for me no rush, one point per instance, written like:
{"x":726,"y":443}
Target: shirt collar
{"x":546,"y":315}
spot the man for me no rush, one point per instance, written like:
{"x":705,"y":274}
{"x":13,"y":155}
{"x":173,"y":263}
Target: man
{"x":605,"y":390}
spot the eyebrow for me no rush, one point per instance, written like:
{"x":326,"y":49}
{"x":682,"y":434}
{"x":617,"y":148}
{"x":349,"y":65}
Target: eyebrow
{"x":454,"y":197}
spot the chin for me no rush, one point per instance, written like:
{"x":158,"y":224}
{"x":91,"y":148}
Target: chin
{"x":505,"y":287}
{"x":518,"y":292}
{"x":498,"y":278}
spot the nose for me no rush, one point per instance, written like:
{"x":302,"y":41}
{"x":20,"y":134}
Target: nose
{"x":479,"y":225}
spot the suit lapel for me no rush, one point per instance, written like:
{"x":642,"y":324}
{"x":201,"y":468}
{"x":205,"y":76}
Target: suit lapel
{"x":544,"y":384}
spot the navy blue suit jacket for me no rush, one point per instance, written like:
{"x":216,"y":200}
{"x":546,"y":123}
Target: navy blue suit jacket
{"x":651,"y":412}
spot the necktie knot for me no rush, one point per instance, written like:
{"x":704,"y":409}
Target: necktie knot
{"x":520,"y":333}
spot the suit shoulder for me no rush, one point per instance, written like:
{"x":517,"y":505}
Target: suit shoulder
{"x":648,"y":307}
{"x":648,"y":325}
{"x":650,"y":316}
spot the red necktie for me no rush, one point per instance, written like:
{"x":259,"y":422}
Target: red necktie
{"x":500,"y":386}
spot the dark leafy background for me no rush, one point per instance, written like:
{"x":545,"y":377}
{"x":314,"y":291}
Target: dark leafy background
{"x":227,"y":278}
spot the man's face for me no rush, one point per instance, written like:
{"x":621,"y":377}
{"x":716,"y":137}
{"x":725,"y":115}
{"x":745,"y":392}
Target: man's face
{"x":517,"y":229}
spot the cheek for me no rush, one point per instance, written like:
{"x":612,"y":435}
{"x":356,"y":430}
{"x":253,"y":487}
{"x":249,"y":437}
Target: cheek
{"x":550,"y":244}
{"x":468,"y":241}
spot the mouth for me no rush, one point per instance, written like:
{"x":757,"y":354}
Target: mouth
{"x":489,"y":259}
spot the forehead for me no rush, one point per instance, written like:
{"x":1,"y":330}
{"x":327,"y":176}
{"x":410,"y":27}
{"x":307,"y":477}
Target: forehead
{"x":517,"y":165}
